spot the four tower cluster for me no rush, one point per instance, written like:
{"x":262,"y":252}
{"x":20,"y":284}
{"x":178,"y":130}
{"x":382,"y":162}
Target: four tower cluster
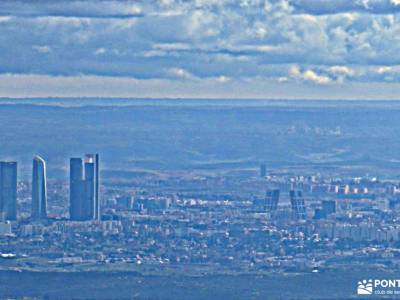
{"x":84,"y":189}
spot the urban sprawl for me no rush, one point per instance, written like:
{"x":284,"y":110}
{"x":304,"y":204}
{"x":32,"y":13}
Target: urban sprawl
{"x":246,"y":222}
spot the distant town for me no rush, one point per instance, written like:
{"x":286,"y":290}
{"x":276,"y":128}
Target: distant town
{"x":268,"y":222}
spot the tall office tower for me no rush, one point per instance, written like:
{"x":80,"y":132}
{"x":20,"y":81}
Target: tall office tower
{"x":75,"y":186}
{"x":96,"y":191}
{"x":263,"y":170}
{"x":39,"y":189}
{"x":92,"y":174}
{"x":84,"y":188}
{"x":298,"y":205}
{"x":271,"y":200}
{"x":8,"y":190}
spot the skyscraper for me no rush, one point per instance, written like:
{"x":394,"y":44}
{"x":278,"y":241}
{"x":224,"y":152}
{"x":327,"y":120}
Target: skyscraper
{"x":84,"y":188}
{"x":271,"y":200}
{"x":8,"y":190}
{"x":269,"y":203}
{"x":263,"y":170}
{"x":97,"y":186}
{"x":39,"y":189}
{"x":75,"y":178}
{"x":298,"y":204}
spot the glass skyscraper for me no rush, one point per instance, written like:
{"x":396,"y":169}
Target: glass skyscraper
{"x":298,"y":204}
{"x":8,"y":190}
{"x":271,"y":200}
{"x":39,"y":189}
{"x":84,"y":188}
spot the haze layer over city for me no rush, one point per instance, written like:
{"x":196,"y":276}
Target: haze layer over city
{"x":201,"y":135}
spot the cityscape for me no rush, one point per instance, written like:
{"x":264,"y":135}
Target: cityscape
{"x":199,"y":149}
{"x":263,"y":222}
{"x":271,"y":224}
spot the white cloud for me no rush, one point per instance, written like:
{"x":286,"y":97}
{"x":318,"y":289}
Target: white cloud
{"x":308,"y":75}
{"x":42,"y":49}
{"x":223,"y":79}
{"x":348,"y":42}
{"x":100,"y":51}
{"x":12,"y":85}
{"x":171,"y":46}
{"x":314,"y":77}
{"x":4,"y":19}
{"x":179,"y":73}
{"x":384,"y":69}
{"x":282,"y":79}
{"x":342,"y":70}
{"x":202,"y":23}
{"x":294,"y":71}
{"x":364,"y":3}
{"x":166,"y":2}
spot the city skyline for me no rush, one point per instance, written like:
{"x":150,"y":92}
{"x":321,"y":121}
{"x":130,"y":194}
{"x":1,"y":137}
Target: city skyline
{"x":249,"y":149}
{"x":197,"y":190}
{"x":84,"y":201}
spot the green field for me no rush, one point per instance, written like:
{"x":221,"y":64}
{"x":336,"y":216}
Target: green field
{"x":333,"y":284}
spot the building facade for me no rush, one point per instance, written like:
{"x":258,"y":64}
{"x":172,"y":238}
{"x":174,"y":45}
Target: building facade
{"x":271,"y":200}
{"x":84,"y":188}
{"x":298,"y":204}
{"x":8,"y":190}
{"x":39,"y":189}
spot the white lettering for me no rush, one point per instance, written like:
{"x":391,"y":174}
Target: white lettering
{"x":392,"y":283}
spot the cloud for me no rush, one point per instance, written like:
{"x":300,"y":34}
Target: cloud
{"x":223,"y":79}
{"x":307,"y":75}
{"x":4,"y":19}
{"x":100,"y":51}
{"x":221,"y":41}
{"x":312,"y":76}
{"x":384,"y":69}
{"x":74,"y":8}
{"x":42,"y":49}
{"x":332,"y":7}
{"x":342,"y":70}
{"x":12,"y":85}
{"x":179,"y":73}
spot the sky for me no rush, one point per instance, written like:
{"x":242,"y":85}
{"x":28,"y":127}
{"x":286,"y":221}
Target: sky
{"x":268,"y":49}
